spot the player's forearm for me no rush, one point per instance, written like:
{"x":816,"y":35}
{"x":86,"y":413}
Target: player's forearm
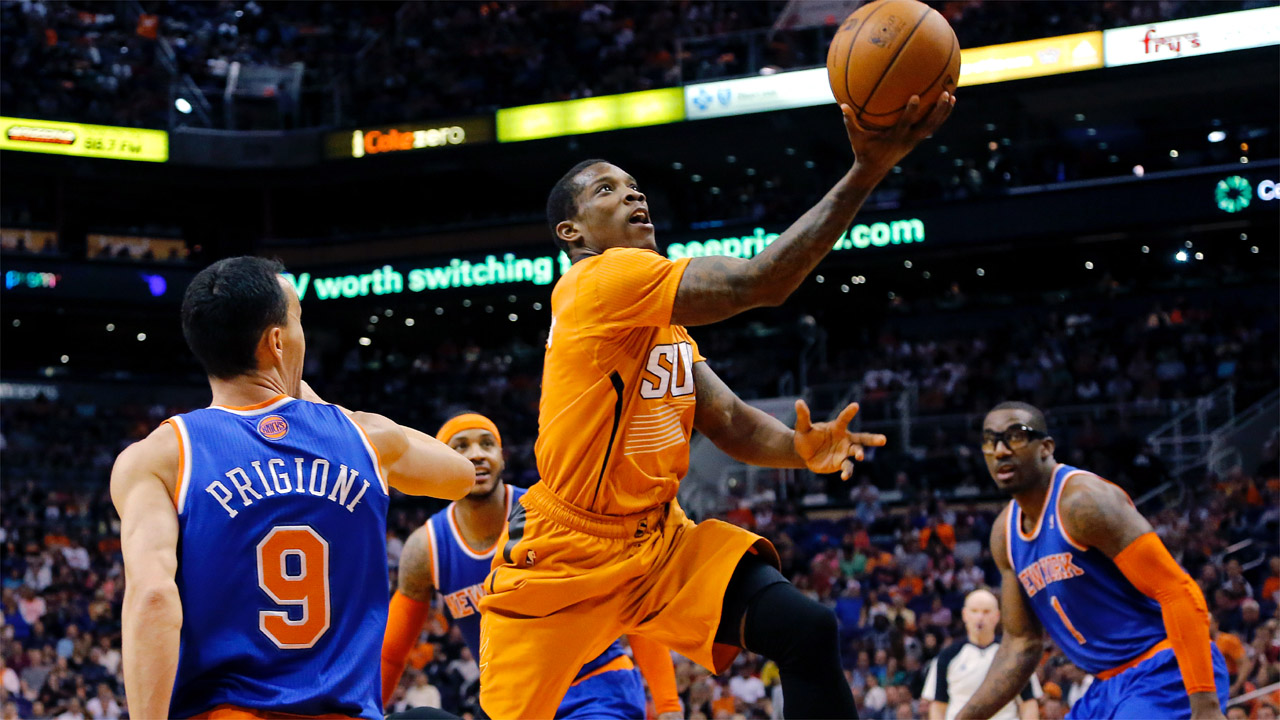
{"x":405,"y":618}
{"x":1010,"y":670}
{"x":937,"y":710}
{"x":784,"y":264}
{"x":755,"y":437}
{"x":1029,"y":710}
{"x":1153,"y":571}
{"x":452,"y":475}
{"x":151,"y":620}
{"x":654,"y":661}
{"x":1205,"y":705}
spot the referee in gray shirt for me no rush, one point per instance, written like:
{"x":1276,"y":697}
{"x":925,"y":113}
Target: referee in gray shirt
{"x":959,"y":669}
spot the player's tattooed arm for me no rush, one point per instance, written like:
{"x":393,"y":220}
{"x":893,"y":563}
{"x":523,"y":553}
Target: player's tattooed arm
{"x":745,"y":433}
{"x":1020,"y":649}
{"x":715,"y":288}
{"x":750,"y":435}
{"x":415,"y":567}
{"x":1098,"y":514}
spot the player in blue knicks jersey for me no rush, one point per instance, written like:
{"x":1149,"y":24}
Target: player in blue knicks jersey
{"x":452,"y":554}
{"x":253,"y":530}
{"x":1079,"y":562}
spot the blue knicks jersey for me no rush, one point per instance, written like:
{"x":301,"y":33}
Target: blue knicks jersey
{"x":459,"y":571}
{"x":1089,"y":608}
{"x":282,"y":563}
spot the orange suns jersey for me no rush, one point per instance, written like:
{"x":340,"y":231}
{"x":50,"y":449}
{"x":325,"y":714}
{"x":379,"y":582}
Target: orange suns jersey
{"x":617,"y":385}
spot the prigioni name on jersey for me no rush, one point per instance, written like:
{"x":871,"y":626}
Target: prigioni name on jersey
{"x":287,"y":478}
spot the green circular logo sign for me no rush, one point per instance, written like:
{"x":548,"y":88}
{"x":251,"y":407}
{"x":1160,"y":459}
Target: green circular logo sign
{"x":1233,"y":194}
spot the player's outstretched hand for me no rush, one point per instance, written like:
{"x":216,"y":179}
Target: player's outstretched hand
{"x":829,"y":446}
{"x":882,"y":149}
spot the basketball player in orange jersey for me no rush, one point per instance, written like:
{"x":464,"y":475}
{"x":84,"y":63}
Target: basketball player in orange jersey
{"x":600,"y":547}
{"x":451,"y":553}
{"x":1080,"y":562}
{"x":254,"y":530}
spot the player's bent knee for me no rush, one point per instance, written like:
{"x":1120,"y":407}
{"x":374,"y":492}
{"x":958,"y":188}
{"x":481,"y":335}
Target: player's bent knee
{"x":816,"y":626}
{"x":787,"y":627}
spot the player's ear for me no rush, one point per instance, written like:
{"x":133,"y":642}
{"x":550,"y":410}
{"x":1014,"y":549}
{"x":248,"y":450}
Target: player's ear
{"x":274,"y":341}
{"x":567,"y":230}
{"x":1046,"y":448}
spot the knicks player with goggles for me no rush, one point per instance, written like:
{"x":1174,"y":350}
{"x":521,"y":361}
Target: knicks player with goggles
{"x":1079,"y":562}
{"x":451,"y":554}
{"x":254,"y":530}
{"x":600,"y":547}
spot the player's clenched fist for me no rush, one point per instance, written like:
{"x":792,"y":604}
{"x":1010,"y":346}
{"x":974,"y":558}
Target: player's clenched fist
{"x":829,"y":446}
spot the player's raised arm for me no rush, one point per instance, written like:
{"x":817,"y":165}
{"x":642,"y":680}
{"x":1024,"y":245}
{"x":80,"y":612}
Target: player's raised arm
{"x":750,"y":435}
{"x":1022,"y":645}
{"x":409,"y":609}
{"x":714,"y":288}
{"x":151,"y":616}
{"x":1098,"y":514}
{"x":415,"y":462}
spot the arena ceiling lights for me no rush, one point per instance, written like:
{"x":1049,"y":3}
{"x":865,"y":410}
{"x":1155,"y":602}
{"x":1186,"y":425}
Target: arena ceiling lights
{"x":94,"y":141}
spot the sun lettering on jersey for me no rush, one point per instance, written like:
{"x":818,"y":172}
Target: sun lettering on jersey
{"x":669,"y":370}
{"x":1047,"y":570}
{"x":464,"y":602}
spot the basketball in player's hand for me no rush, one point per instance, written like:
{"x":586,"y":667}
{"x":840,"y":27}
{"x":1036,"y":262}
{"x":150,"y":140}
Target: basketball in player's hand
{"x":887,"y":51}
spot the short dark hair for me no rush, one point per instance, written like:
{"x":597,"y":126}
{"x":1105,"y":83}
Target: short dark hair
{"x":226,"y":309}
{"x":1037,"y":417}
{"x":562,"y":203}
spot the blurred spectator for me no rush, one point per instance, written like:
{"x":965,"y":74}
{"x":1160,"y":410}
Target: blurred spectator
{"x":389,"y":62}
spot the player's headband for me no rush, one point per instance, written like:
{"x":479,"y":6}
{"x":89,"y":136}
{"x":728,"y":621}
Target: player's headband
{"x":467,"y":421}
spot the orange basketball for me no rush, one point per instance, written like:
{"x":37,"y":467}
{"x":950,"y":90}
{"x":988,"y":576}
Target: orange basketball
{"x":887,"y":51}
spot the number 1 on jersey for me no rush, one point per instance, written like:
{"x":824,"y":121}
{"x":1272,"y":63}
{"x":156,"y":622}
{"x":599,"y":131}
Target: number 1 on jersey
{"x":1057,"y":606}
{"x":307,"y":587}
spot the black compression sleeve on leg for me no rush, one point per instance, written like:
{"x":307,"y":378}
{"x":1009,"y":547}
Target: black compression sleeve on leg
{"x":750,"y":577}
{"x":799,"y":634}
{"x":802,"y":637}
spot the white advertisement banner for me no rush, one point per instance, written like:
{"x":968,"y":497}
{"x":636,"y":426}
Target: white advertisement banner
{"x":1193,"y":36}
{"x":722,"y":98}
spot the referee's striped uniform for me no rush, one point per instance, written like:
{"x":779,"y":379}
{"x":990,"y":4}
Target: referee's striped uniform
{"x":957,"y":673}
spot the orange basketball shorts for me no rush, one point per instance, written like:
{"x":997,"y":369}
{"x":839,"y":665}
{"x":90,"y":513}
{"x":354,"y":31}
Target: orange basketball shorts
{"x":565,"y":583}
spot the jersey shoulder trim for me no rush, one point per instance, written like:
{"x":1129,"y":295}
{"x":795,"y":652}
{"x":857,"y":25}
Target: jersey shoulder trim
{"x":1045,"y":506}
{"x":1062,"y":486}
{"x":184,"y":462}
{"x":463,"y":545}
{"x":373,"y":452}
{"x":434,"y":554}
{"x":1008,"y":533}
{"x":1062,"y":527}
